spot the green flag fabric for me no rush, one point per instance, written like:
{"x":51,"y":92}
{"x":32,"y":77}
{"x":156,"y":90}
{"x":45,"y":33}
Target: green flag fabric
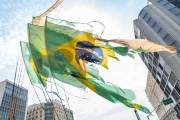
{"x":70,"y":55}
{"x":29,"y":64}
{"x":74,"y":45}
{"x":38,"y":50}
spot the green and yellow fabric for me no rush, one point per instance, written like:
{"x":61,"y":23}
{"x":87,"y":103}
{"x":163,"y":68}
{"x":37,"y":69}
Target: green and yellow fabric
{"x":41,"y":60}
{"x":114,"y":94}
{"x":37,"y":44}
{"x":61,"y":51}
{"x":73,"y":46}
{"x":31,"y":69}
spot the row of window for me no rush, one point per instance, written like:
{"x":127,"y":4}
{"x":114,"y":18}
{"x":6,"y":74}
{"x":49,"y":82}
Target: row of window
{"x":171,"y":5}
{"x":34,"y":109}
{"x":6,"y":102}
{"x":48,"y":113}
{"x":6,"y":118}
{"x":5,"y":111}
{"x":177,"y":108}
{"x":166,"y":79}
{"x":29,"y":116}
{"x":163,"y":34}
{"x":20,"y":92}
{"x":17,"y":98}
{"x":34,"y":113}
{"x":175,"y":2}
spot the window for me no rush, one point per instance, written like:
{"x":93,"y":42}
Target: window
{"x":162,"y":33}
{"x":151,"y":62}
{"x":163,"y":82}
{"x":156,"y":27}
{"x":160,"y":66}
{"x":167,"y":91}
{"x":163,"y":2}
{"x":155,"y":62}
{"x":151,"y":22}
{"x":153,"y":74}
{"x":167,"y":70}
{"x":146,"y":17}
{"x":175,"y":2}
{"x":150,"y":67}
{"x":154,"y":70}
{"x":145,"y":60}
{"x":159,"y":76}
{"x":150,"y":57}
{"x":159,"y":71}
{"x":172,"y":79}
{"x":175,"y":95}
{"x":164,"y":77}
{"x":169,"y":6}
{"x":177,"y":88}
{"x":162,"y":87}
{"x":156,"y":55}
{"x":168,"y":39}
{"x":146,"y":55}
{"x":143,"y":13}
{"x":161,"y":62}
{"x":177,"y":108}
{"x":175,"y":11}
{"x":150,"y":54}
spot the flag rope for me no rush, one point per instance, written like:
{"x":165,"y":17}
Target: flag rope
{"x":61,"y":101}
{"x":17,"y":90}
{"x":12,"y":95}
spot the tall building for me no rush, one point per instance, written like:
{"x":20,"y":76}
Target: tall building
{"x":18,"y":101}
{"x":155,"y":96}
{"x":49,"y":111}
{"x":159,"y":22}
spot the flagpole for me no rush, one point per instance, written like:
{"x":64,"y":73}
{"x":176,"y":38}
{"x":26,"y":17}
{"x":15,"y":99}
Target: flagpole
{"x":137,"y":115}
{"x":155,"y":109}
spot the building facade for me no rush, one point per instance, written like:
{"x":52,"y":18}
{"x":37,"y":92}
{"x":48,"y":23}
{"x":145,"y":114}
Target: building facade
{"x":18,"y":101}
{"x":159,"y":22}
{"x":156,"y":96}
{"x":49,"y":111}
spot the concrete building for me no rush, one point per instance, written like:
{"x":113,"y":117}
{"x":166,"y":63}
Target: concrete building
{"x":43,"y":111}
{"x":18,"y":102}
{"x":160,"y":22}
{"x":155,"y":96}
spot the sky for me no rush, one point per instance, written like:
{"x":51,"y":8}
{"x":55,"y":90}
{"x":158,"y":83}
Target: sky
{"x":116,"y":15}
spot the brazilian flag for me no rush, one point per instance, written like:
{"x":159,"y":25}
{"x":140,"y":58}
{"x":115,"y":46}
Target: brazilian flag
{"x":60,"y":51}
{"x":67,"y":47}
{"x":64,"y":43}
{"x":40,"y":59}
